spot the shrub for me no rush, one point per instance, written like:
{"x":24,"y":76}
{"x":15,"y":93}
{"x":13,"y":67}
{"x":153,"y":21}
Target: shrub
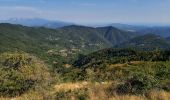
{"x":19,"y":72}
{"x":13,"y":84}
{"x":138,"y":84}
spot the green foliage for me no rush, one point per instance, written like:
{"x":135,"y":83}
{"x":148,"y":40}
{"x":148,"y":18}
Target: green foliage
{"x":14,"y":61}
{"x":139,"y":84}
{"x":12,"y":83}
{"x":113,"y":56}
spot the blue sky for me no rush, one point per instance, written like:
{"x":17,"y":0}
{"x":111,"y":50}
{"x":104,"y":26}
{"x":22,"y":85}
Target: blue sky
{"x":89,"y":11}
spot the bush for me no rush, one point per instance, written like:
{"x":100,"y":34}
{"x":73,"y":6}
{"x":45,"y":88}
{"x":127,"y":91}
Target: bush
{"x":13,"y":84}
{"x":138,"y":84}
{"x":20,"y":72}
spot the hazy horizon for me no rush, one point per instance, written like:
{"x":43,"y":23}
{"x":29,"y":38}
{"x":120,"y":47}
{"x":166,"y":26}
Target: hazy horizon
{"x":140,"y":12}
{"x":89,"y":24}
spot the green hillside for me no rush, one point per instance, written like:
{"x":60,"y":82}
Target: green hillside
{"x":63,"y":43}
{"x":114,"y":56}
{"x":44,"y":42}
{"x":146,"y":42}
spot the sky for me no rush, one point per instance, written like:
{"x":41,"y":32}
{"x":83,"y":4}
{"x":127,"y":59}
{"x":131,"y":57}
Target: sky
{"x":89,"y":11}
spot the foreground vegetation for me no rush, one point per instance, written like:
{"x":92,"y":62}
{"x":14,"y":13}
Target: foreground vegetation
{"x":115,"y":74}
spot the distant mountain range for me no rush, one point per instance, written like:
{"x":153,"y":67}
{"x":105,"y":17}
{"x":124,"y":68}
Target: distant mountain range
{"x":163,"y":31}
{"x":36,"y":22}
{"x":127,"y":27}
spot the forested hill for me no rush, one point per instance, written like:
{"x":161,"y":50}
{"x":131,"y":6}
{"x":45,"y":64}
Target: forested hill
{"x":113,"y":56}
{"x":65,"y":42}
{"x":114,"y":35}
{"x":69,"y":41}
{"x":147,"y":42}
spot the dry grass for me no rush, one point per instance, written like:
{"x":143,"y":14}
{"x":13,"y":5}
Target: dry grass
{"x":159,"y":95}
{"x":102,"y":95}
{"x":125,"y":64}
{"x":118,"y":65}
{"x":67,"y":65}
{"x":96,"y":91}
{"x":71,"y":86}
{"x":32,"y":95}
